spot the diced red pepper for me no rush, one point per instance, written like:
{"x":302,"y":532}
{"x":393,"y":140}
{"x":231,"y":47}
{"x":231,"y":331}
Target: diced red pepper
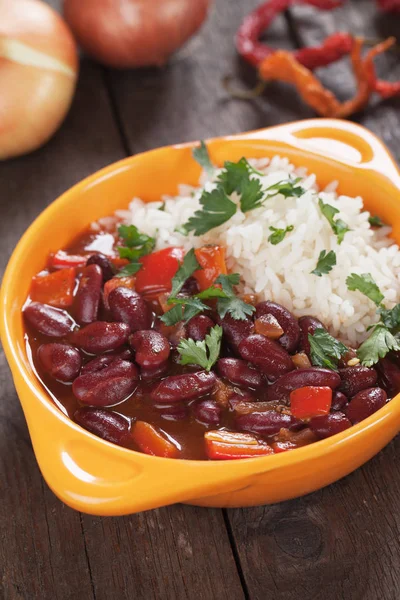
{"x":151,"y":441}
{"x":62,"y":260}
{"x":111,"y":284}
{"x":55,"y":288}
{"x":310,"y":401}
{"x":158,"y":270}
{"x":228,"y":445}
{"x":212,"y":259}
{"x":119,"y":262}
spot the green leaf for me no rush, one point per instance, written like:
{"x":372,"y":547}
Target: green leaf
{"x":325,"y":350}
{"x":204,"y":353}
{"x":252,"y":195}
{"x":375,"y":221}
{"x":391,"y":318}
{"x":129,"y":269}
{"x":216,"y":210}
{"x":278,"y":234}
{"x":201,"y":156}
{"x":184,"y":310}
{"x":188,"y":267}
{"x":325,"y":264}
{"x":377,"y":345}
{"x":131,"y":236}
{"x":162,"y":207}
{"x":339,"y":227}
{"x":288,"y":188}
{"x":173,"y":316}
{"x":366,"y":285}
{"x":233,"y":175}
{"x":237,"y":308}
{"x":211,"y":292}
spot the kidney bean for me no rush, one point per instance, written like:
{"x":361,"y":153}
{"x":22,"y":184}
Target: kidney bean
{"x":198,"y":327}
{"x":106,"y":424}
{"x":289,"y":341}
{"x":108,"y":386}
{"x":60,"y":361}
{"x":365,"y":403}
{"x":389,"y":375}
{"x":50,"y":321}
{"x":315,"y":376}
{"x":326,"y":425}
{"x":154,"y":372}
{"x":176,"y":388}
{"x":87,"y":300}
{"x":308,"y":325}
{"x":207,"y":412}
{"x":98,"y":363}
{"x":239,"y":373}
{"x":151,"y":348}
{"x":355,"y":379}
{"x":189,"y":288}
{"x":129,"y":307}
{"x":265,"y":423}
{"x":107,"y":268}
{"x":339,"y":400}
{"x":241,"y":398}
{"x":236,"y":331}
{"x":101,"y":336}
{"x":267,"y":355}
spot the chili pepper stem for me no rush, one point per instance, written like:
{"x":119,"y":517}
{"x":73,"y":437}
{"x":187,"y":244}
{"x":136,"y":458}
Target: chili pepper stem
{"x":370,"y":42}
{"x":250,"y":94}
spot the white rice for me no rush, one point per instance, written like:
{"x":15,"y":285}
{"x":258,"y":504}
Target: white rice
{"x":282,"y":272}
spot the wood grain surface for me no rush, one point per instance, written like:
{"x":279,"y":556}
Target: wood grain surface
{"x":341,"y":542}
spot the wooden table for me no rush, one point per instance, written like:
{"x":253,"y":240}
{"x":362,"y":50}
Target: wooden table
{"x":342,"y":542}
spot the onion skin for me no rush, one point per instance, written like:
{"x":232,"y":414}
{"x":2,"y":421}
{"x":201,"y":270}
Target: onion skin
{"x":134,"y":33}
{"x":38,"y":72}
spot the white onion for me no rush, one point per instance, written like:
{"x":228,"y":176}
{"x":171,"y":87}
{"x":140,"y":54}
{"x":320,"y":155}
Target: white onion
{"x":38,"y":72}
{"x":134,"y":33}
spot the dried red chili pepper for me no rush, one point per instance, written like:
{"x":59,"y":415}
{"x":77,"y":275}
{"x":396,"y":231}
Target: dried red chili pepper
{"x":389,"y":5}
{"x":386,"y":89}
{"x":254,"y":51}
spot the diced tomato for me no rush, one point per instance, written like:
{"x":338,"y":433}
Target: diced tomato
{"x":279,"y":447}
{"x":228,"y":445}
{"x":151,"y":441}
{"x":62,"y":260}
{"x":111,"y":284}
{"x":212,"y":259}
{"x":55,"y":288}
{"x":158,"y":270}
{"x":310,"y":401}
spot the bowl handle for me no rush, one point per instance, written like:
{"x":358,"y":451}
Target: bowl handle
{"x":344,"y":141}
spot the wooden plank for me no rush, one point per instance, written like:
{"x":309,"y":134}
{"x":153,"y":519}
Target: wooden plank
{"x":42,"y":549}
{"x":185,"y":100}
{"x":341,"y":542}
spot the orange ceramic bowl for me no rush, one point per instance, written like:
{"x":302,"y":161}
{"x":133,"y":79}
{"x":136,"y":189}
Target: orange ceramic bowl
{"x":97,"y":477}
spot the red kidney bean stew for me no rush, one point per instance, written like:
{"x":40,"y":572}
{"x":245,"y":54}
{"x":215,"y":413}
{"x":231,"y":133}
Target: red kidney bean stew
{"x":158,"y":352}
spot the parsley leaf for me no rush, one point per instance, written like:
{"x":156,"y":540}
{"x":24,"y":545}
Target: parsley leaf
{"x":288,"y":188}
{"x":200,"y":155}
{"x":216,"y":210}
{"x":380,"y":342}
{"x":184,"y":309}
{"x":325,"y":350}
{"x":326,"y":262}
{"x":391,"y":318}
{"x":278,"y":234}
{"x":366,"y":285}
{"x":136,"y":245}
{"x":339,"y":227}
{"x":252,"y":195}
{"x":237,"y":308}
{"x":235,"y":177}
{"x":375,"y":221}
{"x":204,"y":353}
{"x":188,"y":267}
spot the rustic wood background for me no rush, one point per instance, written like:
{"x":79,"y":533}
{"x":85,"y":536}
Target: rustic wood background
{"x":342,"y":542}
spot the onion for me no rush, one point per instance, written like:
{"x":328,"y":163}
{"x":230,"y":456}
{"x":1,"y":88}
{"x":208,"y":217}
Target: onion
{"x":134,"y":33}
{"x":38,"y":71}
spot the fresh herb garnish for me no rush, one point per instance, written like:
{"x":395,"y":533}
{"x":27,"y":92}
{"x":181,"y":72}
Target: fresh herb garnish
{"x":136,"y":245}
{"x":278,"y":234}
{"x":200,"y":155}
{"x":235,"y":177}
{"x":377,"y":345}
{"x":325,"y":350}
{"x":339,"y":227}
{"x":375,"y":221}
{"x":288,"y":188}
{"x":391,"y":318}
{"x":162,"y":207}
{"x":216,"y":210}
{"x":326,"y":262}
{"x":366,"y":285}
{"x":204,"y":353}
{"x":231,"y":304}
{"x":189,"y":265}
